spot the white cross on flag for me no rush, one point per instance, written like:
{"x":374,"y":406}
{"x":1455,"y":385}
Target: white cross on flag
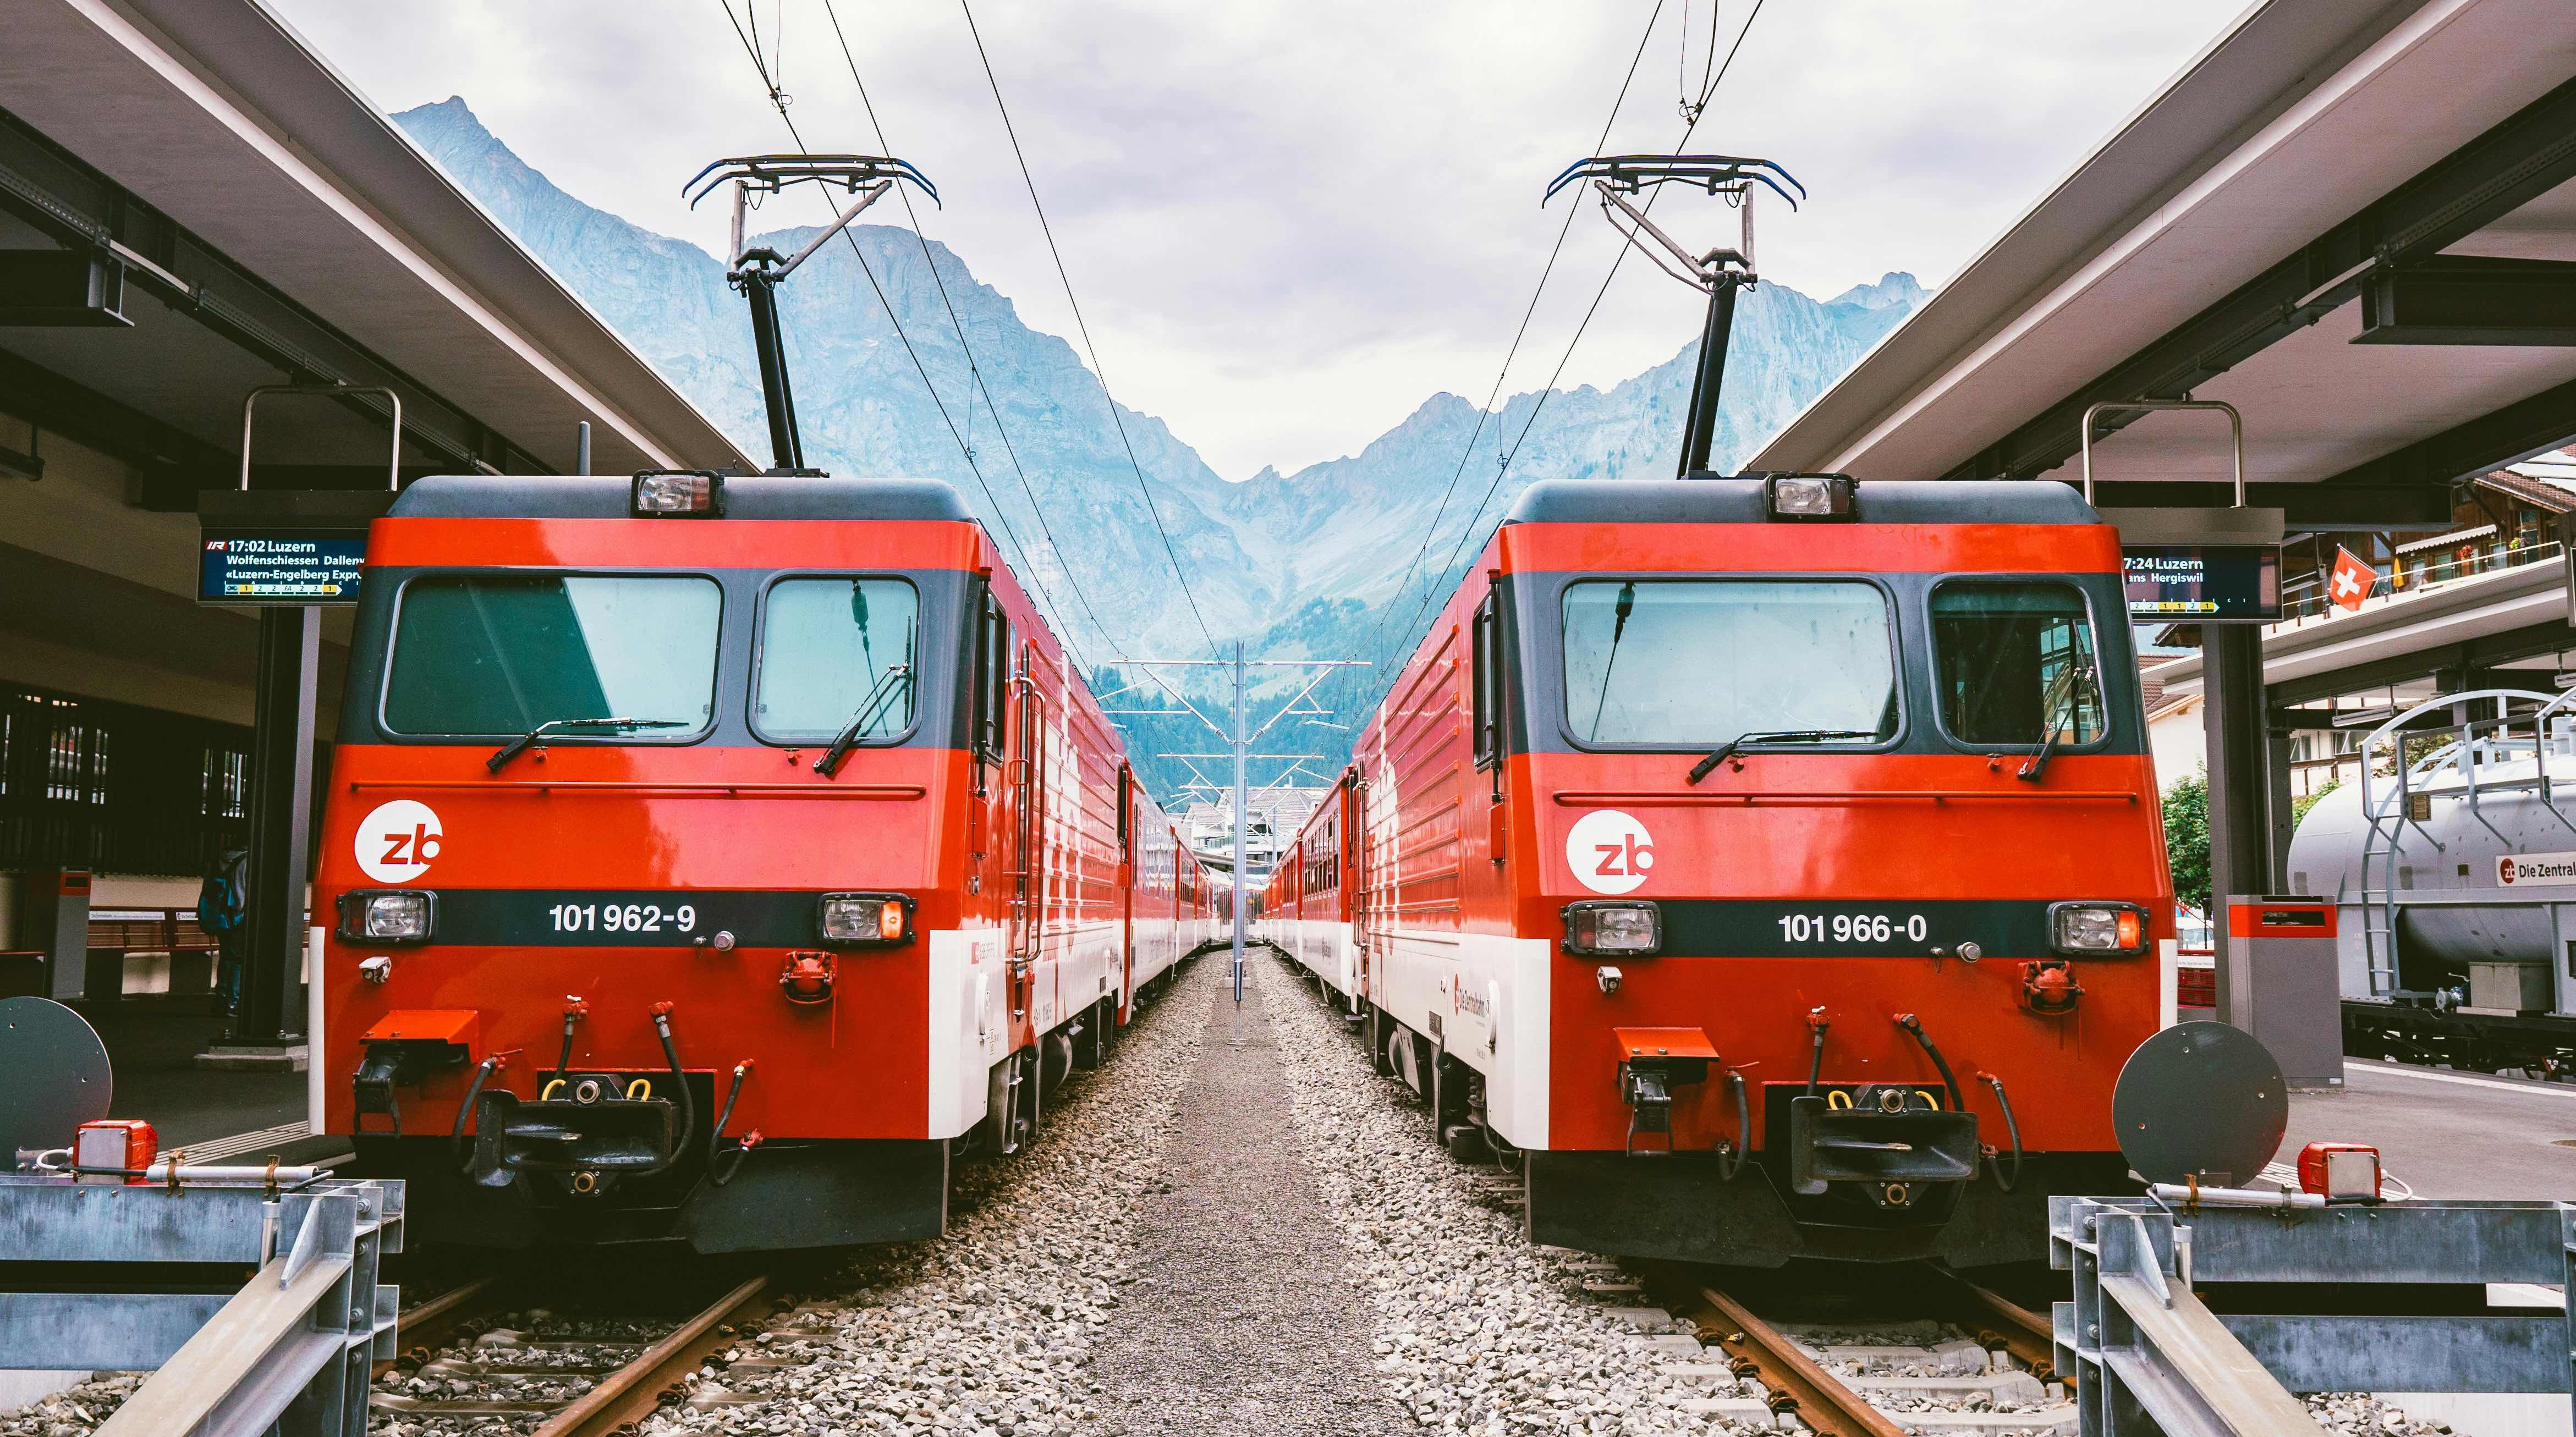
{"x":2350,"y":583}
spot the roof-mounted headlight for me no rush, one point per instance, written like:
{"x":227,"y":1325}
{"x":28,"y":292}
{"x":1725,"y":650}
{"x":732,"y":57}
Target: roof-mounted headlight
{"x":1810,"y":496}
{"x":678,"y":494}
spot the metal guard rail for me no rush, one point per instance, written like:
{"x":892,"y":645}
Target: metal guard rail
{"x":291,"y":1352}
{"x":2149,"y":1357}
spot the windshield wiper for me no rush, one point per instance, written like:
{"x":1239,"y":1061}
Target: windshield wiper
{"x":2061,"y":696}
{"x":501,"y":756}
{"x":1727,"y":750}
{"x":848,"y":739}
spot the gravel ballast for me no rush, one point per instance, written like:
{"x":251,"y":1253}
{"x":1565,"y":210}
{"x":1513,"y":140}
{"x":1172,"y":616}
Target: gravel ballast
{"x":1475,"y":1330}
{"x":1242,"y":1317}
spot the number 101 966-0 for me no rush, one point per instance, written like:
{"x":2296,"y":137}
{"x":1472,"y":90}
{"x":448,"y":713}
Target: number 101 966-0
{"x":623,"y":918}
{"x":1853,"y":927}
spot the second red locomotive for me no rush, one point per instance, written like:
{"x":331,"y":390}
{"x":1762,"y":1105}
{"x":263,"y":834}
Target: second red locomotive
{"x":1775,"y":862}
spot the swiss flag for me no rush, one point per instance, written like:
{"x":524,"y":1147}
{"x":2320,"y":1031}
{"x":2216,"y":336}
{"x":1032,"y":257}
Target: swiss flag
{"x":2350,"y":583}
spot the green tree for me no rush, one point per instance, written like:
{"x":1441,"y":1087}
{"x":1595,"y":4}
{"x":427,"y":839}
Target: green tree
{"x":2187,"y":838}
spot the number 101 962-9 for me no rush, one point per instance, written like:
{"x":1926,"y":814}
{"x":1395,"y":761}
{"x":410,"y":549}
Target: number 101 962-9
{"x":1852,"y":928}
{"x":622,"y":918}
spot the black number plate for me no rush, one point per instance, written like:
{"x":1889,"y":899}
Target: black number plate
{"x":1869,"y":928}
{"x":593,"y":918}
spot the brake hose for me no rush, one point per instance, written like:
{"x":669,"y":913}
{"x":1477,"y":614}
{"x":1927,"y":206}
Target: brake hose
{"x":1949,"y":1080}
{"x":2011,"y":1126}
{"x":1729,"y":1164}
{"x":465,"y":1110}
{"x":688,"y":1101}
{"x":717,"y":1171}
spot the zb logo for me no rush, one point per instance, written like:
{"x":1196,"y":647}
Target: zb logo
{"x":1609,"y":851}
{"x":396,"y":843}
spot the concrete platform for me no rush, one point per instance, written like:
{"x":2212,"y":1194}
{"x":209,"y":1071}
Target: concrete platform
{"x":152,"y":1047}
{"x":2445,"y":1134}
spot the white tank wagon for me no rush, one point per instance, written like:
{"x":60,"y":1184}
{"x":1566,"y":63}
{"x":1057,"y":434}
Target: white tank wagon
{"x":2454,"y":877}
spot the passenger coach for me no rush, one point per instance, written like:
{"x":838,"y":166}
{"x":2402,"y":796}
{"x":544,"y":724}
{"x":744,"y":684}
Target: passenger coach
{"x":1775,"y":861}
{"x":713,"y":859}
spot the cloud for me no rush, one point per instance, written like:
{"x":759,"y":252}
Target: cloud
{"x":1288,"y":223}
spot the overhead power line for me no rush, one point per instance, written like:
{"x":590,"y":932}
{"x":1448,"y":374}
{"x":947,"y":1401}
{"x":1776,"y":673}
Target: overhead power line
{"x":778,"y":101}
{"x":1504,"y":466}
{"x":1180,"y":576}
{"x":1404,"y":586}
{"x":975,"y":371}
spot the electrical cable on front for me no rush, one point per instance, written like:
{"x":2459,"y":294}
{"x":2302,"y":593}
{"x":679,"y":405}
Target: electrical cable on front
{"x":1179,"y":575}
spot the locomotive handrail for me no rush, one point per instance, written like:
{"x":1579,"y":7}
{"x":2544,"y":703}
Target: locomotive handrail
{"x":1648,"y":799}
{"x":890,"y":791}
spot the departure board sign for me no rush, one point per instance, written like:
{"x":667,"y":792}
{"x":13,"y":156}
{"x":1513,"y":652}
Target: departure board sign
{"x":2203,"y":583}
{"x":285,"y":568}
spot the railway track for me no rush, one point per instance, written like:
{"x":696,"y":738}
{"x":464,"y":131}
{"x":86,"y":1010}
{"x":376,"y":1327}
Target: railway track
{"x":565,"y":1374}
{"x":1979,"y":1365}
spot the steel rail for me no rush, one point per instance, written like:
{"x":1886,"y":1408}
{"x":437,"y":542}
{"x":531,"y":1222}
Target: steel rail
{"x":1817,"y":1397}
{"x":634,"y":1391}
{"x":426,"y":1326}
{"x":2025,"y":1334}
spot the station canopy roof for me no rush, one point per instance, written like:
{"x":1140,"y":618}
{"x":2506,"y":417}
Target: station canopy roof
{"x":2356,"y":222}
{"x":264,"y":218}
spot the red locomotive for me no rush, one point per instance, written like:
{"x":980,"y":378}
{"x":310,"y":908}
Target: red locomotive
{"x":715,"y":859}
{"x":1774,"y":861}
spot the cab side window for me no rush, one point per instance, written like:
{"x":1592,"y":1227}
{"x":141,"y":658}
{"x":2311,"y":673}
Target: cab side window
{"x":1485,"y":679}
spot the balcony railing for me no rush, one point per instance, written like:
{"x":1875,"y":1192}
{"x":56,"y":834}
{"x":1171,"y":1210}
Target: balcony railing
{"x":2307,"y":599}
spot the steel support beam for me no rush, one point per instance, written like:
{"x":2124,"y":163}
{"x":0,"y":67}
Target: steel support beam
{"x":2240,"y":797}
{"x":2467,"y":660}
{"x":2519,"y":431}
{"x":54,"y":288}
{"x":89,"y":214}
{"x":2469,"y":189}
{"x":281,"y":819}
{"x":2368,"y":508}
{"x":2460,"y":299}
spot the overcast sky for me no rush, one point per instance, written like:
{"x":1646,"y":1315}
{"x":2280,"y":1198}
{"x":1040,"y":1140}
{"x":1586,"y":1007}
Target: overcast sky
{"x":1291,"y":221}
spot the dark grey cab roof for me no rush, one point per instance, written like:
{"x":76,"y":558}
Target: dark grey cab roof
{"x":606,"y":496}
{"x":1739,"y":501}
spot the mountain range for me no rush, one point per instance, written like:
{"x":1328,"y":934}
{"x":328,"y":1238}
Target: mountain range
{"x":1295,"y":565}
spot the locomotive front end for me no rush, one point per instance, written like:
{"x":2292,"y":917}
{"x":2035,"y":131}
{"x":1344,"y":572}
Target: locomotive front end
{"x":636,"y":863}
{"x":1812,"y":875}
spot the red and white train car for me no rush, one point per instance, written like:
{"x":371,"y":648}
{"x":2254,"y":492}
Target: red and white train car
{"x":1775,"y":861}
{"x":714,"y":859}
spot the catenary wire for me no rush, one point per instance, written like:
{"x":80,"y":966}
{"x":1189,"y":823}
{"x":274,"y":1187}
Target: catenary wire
{"x":1430,"y":535}
{"x":1179,"y":575}
{"x":974,"y":370}
{"x":1065,"y":633}
{"x":1504,"y":467}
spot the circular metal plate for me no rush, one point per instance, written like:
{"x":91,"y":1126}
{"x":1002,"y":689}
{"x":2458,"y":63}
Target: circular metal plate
{"x":58,"y":1076}
{"x":2204,"y":1099}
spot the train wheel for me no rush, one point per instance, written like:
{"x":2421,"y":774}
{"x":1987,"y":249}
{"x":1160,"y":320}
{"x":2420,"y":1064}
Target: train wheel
{"x":1091,"y":1045}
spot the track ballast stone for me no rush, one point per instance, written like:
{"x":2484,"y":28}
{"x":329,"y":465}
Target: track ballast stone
{"x":991,"y":1330}
{"x":1477,"y":1331}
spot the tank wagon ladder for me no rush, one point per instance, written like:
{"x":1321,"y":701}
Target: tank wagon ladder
{"x":2389,"y":811}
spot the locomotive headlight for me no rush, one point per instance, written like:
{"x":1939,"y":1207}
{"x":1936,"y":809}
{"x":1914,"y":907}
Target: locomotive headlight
{"x":1593,"y":927}
{"x":2077,"y":929}
{"x":678,"y":493}
{"x":865,"y":920}
{"x":398,"y":915}
{"x":1811,"y":496}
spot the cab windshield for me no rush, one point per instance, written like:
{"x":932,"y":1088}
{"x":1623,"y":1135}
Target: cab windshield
{"x":2002,"y":648}
{"x":836,"y":653}
{"x":490,"y":655}
{"x":1691,"y":663}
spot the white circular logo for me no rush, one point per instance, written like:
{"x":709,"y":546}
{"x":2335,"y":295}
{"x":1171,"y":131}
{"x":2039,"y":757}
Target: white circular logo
{"x":397,"y":841}
{"x":1609,"y":851}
